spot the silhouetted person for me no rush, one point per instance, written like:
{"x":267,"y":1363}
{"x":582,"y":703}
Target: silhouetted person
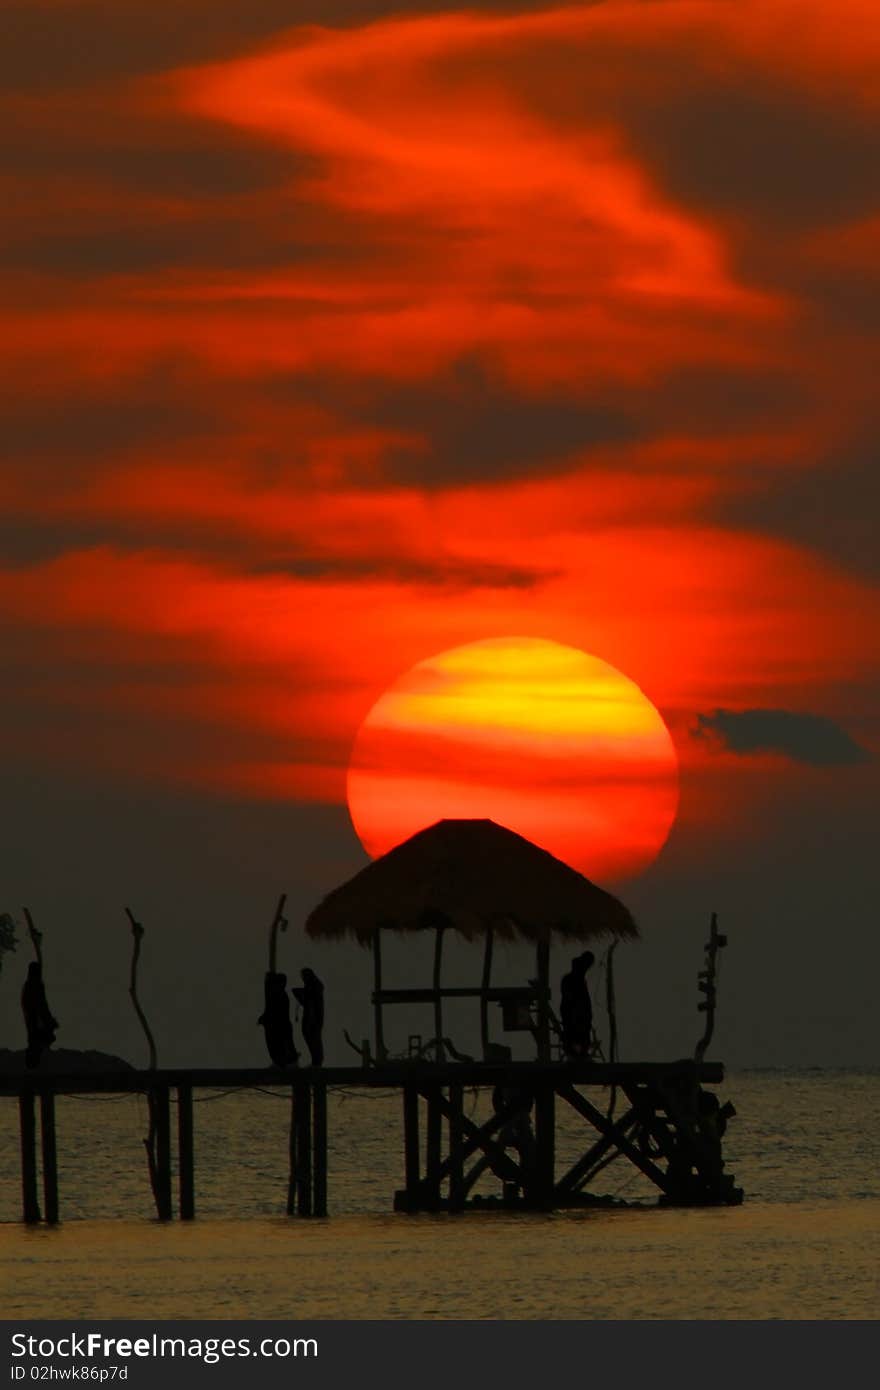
{"x":712,"y":1119}
{"x":275,"y":1021}
{"x":517,"y":1133}
{"x":38,"y":1020}
{"x":311,"y":996}
{"x":576,"y":1008}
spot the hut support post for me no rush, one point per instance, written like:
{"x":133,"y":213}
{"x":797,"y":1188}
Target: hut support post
{"x":28,"y":1123}
{"x":377,"y":989}
{"x":185,"y":1156}
{"x":50,"y":1156}
{"x":161,"y":1101}
{"x":411,"y":1145}
{"x":319,"y":1135}
{"x":543,"y":1029}
{"x":439,"y":1049}
{"x":456,"y":1147}
{"x":433,"y":1144}
{"x":485,"y":986}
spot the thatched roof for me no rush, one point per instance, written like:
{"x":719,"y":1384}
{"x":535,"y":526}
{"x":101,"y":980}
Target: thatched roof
{"x":471,"y":875}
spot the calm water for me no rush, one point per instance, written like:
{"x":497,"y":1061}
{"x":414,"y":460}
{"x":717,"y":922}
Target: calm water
{"x":804,"y":1245}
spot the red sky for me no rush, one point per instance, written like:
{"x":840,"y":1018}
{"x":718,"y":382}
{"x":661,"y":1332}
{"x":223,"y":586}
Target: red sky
{"x":329,"y":346}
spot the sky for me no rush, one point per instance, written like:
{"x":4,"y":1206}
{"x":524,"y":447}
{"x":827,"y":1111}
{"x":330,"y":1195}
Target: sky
{"x":337,"y":336}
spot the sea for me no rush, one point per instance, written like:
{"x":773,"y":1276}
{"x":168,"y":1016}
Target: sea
{"x":805,"y":1244}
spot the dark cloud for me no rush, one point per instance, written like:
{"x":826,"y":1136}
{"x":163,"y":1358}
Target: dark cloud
{"x":470,"y":427}
{"x":24,"y":544}
{"x":830,"y":506}
{"x":477,"y":429}
{"x":805,"y":738}
{"x":702,"y":399}
{"x":156,"y":407}
{"x":139,"y":151}
{"x":126,"y":246}
{"x":751,"y":148}
{"x":68,"y":42}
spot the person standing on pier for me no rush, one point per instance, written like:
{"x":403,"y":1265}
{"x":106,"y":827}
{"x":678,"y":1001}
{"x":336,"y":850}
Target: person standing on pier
{"x":38,"y":1020}
{"x":576,"y":1008}
{"x":311,"y":996}
{"x":275,"y":1021}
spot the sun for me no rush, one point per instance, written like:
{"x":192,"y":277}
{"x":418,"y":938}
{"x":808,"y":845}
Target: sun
{"x":543,"y":738}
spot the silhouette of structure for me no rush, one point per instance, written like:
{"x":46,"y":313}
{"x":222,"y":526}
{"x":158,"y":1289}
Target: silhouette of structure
{"x":482,"y":881}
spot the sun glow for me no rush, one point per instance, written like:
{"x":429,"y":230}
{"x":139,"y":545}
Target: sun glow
{"x":543,"y":738}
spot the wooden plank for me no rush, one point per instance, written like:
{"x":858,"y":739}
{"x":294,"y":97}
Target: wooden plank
{"x":576,"y":1175}
{"x":389,"y":1074}
{"x":50,"y":1157}
{"x":185,"y":1152}
{"x":478,"y":1138}
{"x":496,"y":995}
{"x":319,"y":1131}
{"x":30,"y":1206}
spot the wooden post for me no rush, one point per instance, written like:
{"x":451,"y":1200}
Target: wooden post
{"x":484,"y":993}
{"x":440,"y":1051}
{"x":456,"y":1146}
{"x":545,"y":1143}
{"x":161,"y":1100}
{"x":27,"y":1117}
{"x":543,"y":1029}
{"x":411,"y":1155}
{"x":185,"y":1165}
{"x":293,"y":1153}
{"x":377,"y":1003}
{"x":433,"y":1144}
{"x":302,"y":1117}
{"x":319,"y":1130}
{"x":50,"y":1156}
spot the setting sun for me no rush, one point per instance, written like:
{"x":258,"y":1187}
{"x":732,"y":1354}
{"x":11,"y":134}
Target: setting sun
{"x":543,"y":738}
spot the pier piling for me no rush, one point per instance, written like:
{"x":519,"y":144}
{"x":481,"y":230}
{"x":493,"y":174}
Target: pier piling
{"x":161,"y":1102}
{"x":50,"y":1156}
{"x":185,"y":1154}
{"x":456,"y":1147}
{"x":28,"y":1124}
{"x":319,"y":1135}
{"x":411,"y":1154}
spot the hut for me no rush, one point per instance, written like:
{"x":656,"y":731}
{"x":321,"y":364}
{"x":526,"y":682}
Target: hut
{"x":482,"y":881}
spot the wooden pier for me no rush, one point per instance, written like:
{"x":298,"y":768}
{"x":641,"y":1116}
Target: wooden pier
{"x":665,"y":1125}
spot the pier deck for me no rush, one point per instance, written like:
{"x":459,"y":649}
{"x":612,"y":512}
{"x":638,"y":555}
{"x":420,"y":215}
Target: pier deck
{"x":666,"y":1125}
